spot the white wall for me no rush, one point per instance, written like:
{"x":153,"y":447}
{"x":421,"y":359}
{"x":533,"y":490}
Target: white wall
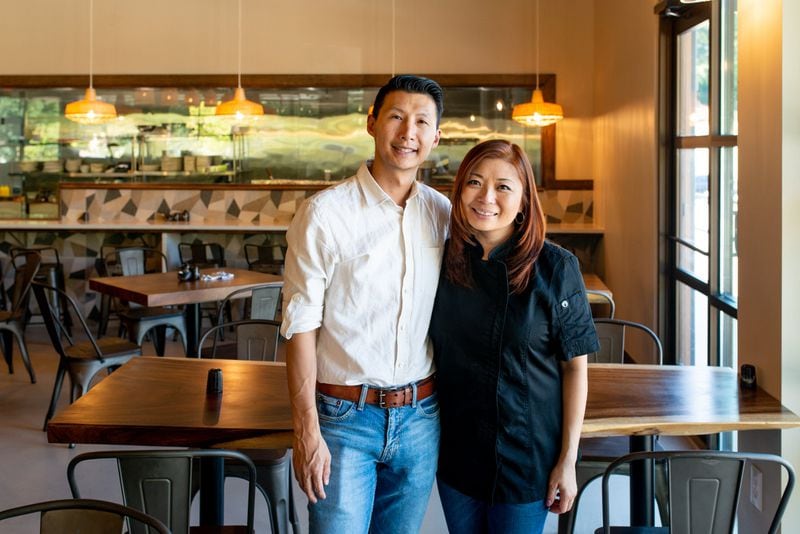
{"x":790,"y":209}
{"x":769,"y":220}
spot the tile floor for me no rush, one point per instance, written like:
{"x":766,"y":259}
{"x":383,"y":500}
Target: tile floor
{"x":33,"y":470}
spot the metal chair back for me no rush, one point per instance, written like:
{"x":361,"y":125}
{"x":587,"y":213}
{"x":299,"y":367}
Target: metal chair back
{"x":255,"y":339}
{"x":204,"y":255}
{"x":704,"y":488}
{"x":87,"y":516}
{"x":612,"y":335}
{"x":604,"y":298}
{"x":265,"y":258}
{"x":161,"y":483}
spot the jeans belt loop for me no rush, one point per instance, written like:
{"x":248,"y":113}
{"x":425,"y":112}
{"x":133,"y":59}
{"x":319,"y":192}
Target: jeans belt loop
{"x":414,"y":395}
{"x":362,"y":399}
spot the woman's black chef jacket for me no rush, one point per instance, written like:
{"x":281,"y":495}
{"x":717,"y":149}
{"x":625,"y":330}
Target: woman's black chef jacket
{"x":498,"y":374}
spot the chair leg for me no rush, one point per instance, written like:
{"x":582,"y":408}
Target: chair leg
{"x":105,"y":310}
{"x":275,"y":482}
{"x":7,"y":351}
{"x":23,"y":351}
{"x":159,"y":338}
{"x":56,"y":393}
{"x":292,"y":510}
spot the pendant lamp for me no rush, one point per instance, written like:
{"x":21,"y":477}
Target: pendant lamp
{"x":239,"y":105}
{"x":537,"y":112}
{"x":90,"y":110}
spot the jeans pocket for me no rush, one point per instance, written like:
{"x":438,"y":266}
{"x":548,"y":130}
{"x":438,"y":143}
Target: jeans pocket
{"x":333,"y":409}
{"x":429,"y":406}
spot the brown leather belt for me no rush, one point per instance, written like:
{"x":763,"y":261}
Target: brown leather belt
{"x":392,"y":397}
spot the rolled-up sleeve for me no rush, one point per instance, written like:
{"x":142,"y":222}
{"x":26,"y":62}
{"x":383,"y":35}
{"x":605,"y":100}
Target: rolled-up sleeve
{"x":574,"y":326}
{"x":307,"y":270}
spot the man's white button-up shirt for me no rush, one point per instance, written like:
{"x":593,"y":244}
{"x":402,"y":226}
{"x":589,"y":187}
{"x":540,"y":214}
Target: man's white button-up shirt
{"x":364,"y":271}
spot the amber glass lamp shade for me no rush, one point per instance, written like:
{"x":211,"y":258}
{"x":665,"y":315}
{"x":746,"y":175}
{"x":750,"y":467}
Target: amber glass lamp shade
{"x":537,"y":112}
{"x":90,"y":110}
{"x":239,"y":105}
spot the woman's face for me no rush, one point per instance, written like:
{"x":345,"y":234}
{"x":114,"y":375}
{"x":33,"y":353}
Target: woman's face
{"x":491,"y":199}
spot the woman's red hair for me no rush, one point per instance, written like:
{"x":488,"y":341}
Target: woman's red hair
{"x":528,"y":237}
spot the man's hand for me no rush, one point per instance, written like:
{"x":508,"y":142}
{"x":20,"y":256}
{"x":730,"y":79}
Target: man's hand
{"x":312,"y":465}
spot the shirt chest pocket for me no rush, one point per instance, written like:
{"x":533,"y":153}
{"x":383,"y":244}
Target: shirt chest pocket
{"x":574,"y":316}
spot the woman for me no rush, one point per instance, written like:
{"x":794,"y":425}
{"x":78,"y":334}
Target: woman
{"x":511,"y":328}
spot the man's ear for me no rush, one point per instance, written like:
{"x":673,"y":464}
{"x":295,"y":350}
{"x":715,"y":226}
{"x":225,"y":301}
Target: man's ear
{"x":371,"y":125}
{"x":436,"y":139}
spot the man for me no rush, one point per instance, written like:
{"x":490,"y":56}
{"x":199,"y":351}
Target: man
{"x":360,"y":279}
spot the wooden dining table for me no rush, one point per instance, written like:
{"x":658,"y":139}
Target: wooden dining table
{"x":162,"y":402}
{"x":165,"y":289}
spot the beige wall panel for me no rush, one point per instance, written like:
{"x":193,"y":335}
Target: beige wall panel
{"x":317,"y":37}
{"x":625,"y":154}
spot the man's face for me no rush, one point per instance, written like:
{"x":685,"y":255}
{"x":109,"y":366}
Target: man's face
{"x":405,"y":130}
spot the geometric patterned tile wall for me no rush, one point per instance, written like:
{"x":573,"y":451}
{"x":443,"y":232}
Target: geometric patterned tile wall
{"x":79,"y":250}
{"x":253,"y":206}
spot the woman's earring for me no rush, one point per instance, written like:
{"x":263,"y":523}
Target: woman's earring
{"x":520,"y":218}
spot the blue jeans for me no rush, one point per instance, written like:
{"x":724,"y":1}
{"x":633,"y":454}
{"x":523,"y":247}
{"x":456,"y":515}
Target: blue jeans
{"x":383,"y":463}
{"x":465,"y":515}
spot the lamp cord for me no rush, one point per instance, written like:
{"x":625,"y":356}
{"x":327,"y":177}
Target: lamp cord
{"x":91,"y":43}
{"x":537,"y":44}
{"x":239,"y":50}
{"x":393,"y":38}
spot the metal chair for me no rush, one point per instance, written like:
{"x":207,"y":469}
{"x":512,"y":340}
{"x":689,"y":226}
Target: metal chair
{"x":257,"y":339}
{"x":12,"y":322}
{"x":704,"y":488}
{"x":87,"y":516}
{"x":612,"y":332}
{"x":136,"y":320}
{"x":205,"y":256}
{"x":265,"y":258}
{"x":601,"y":298}
{"x":261,"y":302}
{"x":597,"y":453}
{"x":161,"y":483}
{"x":82,"y":360}
{"x":51,"y":272}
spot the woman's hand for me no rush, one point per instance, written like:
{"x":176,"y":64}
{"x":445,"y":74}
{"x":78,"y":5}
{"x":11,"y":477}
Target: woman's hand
{"x":562,"y":487}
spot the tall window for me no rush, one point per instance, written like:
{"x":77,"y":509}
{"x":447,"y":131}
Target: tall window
{"x":699,"y":174}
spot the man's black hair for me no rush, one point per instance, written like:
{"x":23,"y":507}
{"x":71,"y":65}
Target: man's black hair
{"x":411,"y":84}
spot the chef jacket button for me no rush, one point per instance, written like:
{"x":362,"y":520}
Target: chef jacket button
{"x":564,"y":304}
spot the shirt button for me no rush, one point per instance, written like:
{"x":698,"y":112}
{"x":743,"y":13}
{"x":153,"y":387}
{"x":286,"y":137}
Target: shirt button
{"x":564,"y":304}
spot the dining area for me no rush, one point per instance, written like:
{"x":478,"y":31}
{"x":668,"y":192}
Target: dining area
{"x":142,"y":251}
{"x":126,"y":411}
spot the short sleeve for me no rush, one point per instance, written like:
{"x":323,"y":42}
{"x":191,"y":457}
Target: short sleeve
{"x":573,"y":323}
{"x":307,"y":270}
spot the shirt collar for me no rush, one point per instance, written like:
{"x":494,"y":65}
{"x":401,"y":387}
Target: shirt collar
{"x":500,"y":252}
{"x":373,"y":193}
